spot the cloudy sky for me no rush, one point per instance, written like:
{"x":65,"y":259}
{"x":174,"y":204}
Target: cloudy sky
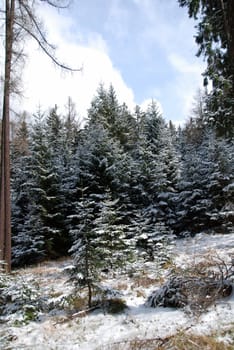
{"x":145,"y":48}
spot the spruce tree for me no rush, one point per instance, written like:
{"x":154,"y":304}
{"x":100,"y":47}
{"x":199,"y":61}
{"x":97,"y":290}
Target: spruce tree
{"x":100,"y":243}
{"x":28,"y":244}
{"x":205,"y":174}
{"x":215,"y":38}
{"x":52,"y":182}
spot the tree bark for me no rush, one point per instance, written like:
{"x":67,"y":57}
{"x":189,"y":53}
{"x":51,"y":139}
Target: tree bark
{"x":5,"y":203}
{"x":230,"y":11}
{"x":228,"y":17}
{"x":230,"y":25}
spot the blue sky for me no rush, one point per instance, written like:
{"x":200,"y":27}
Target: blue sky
{"x":144,"y":47}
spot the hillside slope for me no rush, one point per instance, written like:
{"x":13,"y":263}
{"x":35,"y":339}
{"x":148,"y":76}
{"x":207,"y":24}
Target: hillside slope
{"x":44,"y":313}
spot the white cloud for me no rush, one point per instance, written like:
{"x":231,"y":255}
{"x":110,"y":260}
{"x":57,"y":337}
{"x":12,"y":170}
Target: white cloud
{"x":182,"y":65}
{"x":188,"y":80}
{"x":46,"y":85}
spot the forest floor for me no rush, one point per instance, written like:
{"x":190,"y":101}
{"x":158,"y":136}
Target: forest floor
{"x":61,"y":324}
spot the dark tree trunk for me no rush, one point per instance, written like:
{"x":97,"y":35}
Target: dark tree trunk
{"x":5,"y":204}
{"x":230,"y":12}
{"x":89,"y":295}
{"x":89,"y":283}
{"x":230,"y":24}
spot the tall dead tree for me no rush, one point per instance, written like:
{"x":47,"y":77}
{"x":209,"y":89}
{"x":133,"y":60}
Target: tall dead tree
{"x":5,"y":206}
{"x":19,"y":17}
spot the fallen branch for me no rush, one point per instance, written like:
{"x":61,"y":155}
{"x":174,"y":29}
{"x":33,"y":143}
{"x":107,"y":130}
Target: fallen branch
{"x":80,"y":314}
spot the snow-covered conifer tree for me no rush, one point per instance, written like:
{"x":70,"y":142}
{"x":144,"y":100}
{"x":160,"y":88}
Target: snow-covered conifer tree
{"x":100,"y":242}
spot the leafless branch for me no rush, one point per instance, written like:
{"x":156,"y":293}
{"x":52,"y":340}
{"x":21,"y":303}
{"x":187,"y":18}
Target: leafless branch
{"x":30,"y":24}
{"x":36,"y":25}
{"x":46,"y":50}
{"x":55,"y":4}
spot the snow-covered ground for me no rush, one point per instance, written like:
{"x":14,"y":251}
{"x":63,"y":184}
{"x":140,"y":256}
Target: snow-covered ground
{"x":98,"y":330}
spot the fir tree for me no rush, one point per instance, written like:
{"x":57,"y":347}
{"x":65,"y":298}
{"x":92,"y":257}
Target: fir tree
{"x":205,"y":173}
{"x":100,"y":242}
{"x":215,"y":38}
{"x":28,"y":244}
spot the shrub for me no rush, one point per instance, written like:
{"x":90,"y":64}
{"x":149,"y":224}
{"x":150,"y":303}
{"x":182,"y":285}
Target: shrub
{"x":196,"y":287}
{"x":114,"y":306}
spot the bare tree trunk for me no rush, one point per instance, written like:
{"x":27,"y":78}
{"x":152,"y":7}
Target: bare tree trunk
{"x":230,"y":25}
{"x":89,"y":283}
{"x":5,"y":203}
{"x":230,"y":10}
{"x":228,"y":17}
{"x":89,"y":295}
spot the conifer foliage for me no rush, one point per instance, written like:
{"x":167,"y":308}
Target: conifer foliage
{"x":117,"y":188}
{"x":215,"y":39}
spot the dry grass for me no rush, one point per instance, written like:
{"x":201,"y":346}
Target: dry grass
{"x":122,"y":285}
{"x":74,"y":303}
{"x":145,"y":282}
{"x":194,"y":342}
{"x":209,"y":264}
{"x":43,"y":268}
{"x":179,"y":341}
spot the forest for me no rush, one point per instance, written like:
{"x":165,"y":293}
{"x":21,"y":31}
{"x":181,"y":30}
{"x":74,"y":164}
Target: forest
{"x":126,"y":172}
{"x":123,"y":177}
{"x":122,"y":232}
{"x":95,"y":215}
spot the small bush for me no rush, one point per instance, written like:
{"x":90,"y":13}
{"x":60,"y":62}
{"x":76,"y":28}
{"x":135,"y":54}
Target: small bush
{"x":196,"y":287}
{"x":17,"y":292}
{"x":114,"y":306}
{"x":74,"y":303}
